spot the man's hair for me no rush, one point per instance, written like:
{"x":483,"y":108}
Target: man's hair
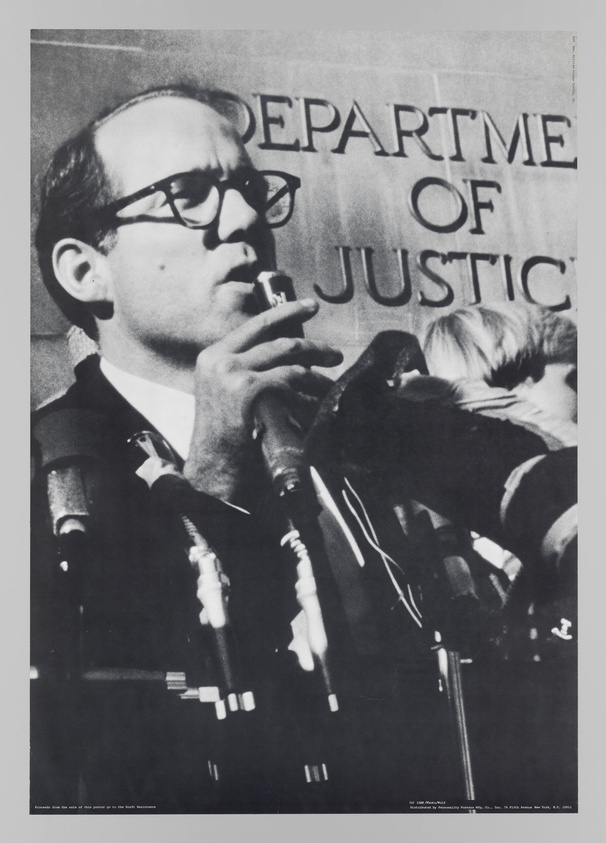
{"x":501,"y":343}
{"x":75,"y":185}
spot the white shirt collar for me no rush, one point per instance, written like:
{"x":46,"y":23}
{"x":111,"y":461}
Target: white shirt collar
{"x":169,"y":410}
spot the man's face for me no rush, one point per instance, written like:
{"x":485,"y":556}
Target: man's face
{"x":177,"y":290}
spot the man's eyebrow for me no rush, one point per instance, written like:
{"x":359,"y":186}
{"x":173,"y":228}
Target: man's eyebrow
{"x":217,"y":170}
{"x":245,"y":169}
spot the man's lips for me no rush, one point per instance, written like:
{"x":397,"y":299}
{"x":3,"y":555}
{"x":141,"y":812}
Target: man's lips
{"x":244,"y":292}
{"x":244,"y":274}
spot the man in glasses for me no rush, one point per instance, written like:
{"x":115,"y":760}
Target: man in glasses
{"x":153,"y":226}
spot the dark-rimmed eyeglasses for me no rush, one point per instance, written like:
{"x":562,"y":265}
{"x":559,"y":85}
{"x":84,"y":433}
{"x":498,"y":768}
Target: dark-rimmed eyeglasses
{"x":195,"y":198}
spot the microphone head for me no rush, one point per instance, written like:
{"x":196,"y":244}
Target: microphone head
{"x":273,"y":289}
{"x":151,"y":444}
{"x":67,"y":436}
{"x":68,"y":449}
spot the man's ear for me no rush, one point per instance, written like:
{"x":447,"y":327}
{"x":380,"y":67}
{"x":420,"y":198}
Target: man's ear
{"x":82,"y":271}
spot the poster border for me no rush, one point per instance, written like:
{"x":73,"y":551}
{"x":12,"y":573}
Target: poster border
{"x":271,"y":16}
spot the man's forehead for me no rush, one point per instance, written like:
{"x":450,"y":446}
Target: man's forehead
{"x":166,"y":135}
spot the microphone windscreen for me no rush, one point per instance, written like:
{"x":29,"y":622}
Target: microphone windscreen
{"x":67,"y":435}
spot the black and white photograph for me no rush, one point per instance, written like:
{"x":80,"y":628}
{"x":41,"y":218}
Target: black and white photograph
{"x":304,"y":422}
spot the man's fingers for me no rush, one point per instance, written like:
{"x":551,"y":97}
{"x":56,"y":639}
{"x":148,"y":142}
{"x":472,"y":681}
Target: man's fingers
{"x":286,"y":351}
{"x":289,"y":379}
{"x":294,"y":383}
{"x":253,"y":331}
{"x":303,"y":407}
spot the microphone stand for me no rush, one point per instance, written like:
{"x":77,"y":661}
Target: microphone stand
{"x":281,"y":443}
{"x":449,"y":665}
{"x":213,"y":585}
{"x":452,"y":597}
{"x":281,"y":440}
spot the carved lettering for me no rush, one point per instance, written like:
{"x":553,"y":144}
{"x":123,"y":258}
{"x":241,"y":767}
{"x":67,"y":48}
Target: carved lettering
{"x":507,"y":278}
{"x":400,"y":298}
{"x":525,"y":271}
{"x":273,"y":120}
{"x":548,"y":140}
{"x":453,"y":124}
{"x":415,"y":134}
{"x":521,"y":136}
{"x":367,"y":132}
{"x":347,"y":292}
{"x":448,"y":297}
{"x":403,"y":295}
{"x":250,"y":124}
{"x":268,"y":120}
{"x":473,"y":259}
{"x":413,"y":204}
{"x":309,"y":128}
{"x":474,"y":186}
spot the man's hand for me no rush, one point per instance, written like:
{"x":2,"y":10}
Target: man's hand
{"x":231,"y":374}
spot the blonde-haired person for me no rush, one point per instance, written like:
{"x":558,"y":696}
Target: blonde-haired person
{"x":513,"y":360}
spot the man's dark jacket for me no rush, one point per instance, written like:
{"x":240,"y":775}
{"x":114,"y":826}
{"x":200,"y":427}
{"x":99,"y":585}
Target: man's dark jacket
{"x":133,"y":743}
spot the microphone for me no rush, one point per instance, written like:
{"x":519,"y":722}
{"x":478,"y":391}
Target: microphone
{"x":272,"y":289}
{"x":161,"y":474}
{"x":69,"y":445}
{"x":279,"y":434}
{"x":282,"y":445}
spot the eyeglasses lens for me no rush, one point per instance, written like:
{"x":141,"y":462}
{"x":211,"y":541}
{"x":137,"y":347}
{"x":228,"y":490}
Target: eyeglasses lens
{"x":197,"y":199}
{"x":278,"y":200}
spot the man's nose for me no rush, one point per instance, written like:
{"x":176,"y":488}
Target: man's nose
{"x":236,"y":217}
